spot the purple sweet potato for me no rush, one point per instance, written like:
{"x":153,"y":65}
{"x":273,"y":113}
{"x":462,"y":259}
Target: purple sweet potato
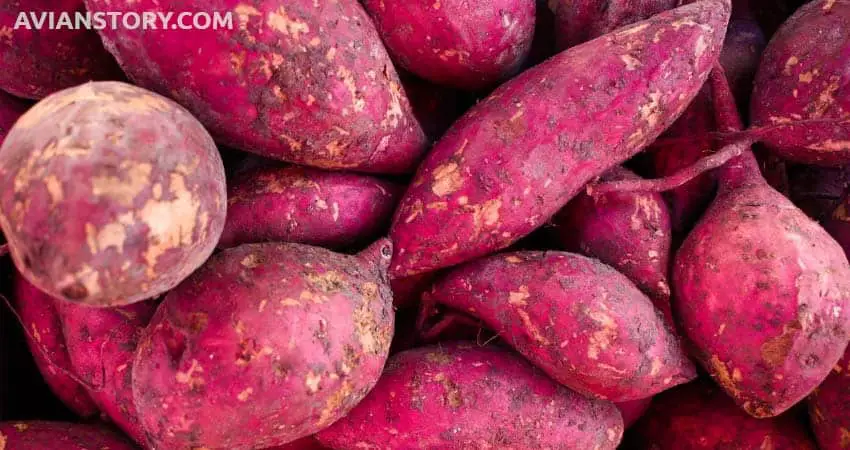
{"x":632,"y":411}
{"x":761,"y":290}
{"x":91,"y":217}
{"x":804,"y":77}
{"x":829,"y":408}
{"x":818,"y":190}
{"x":41,"y":435}
{"x":465,"y":44}
{"x":307,"y":206}
{"x":38,"y":61}
{"x":629,"y":231}
{"x":265,"y":344}
{"x":698,"y":416}
{"x":303,"y":81}
{"x":578,"y":21}
{"x":101,"y":344}
{"x":741,"y":56}
{"x":47,"y":344}
{"x":463,"y":396}
{"x":580,"y":321}
{"x":510,"y":163}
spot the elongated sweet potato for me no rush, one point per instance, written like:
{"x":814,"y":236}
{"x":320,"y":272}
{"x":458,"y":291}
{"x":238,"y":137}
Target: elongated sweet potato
{"x":37,"y":59}
{"x":47,"y":344}
{"x":761,"y":290}
{"x":629,"y":231}
{"x":101,"y":343}
{"x":90,"y":218}
{"x":41,"y":435}
{"x":574,"y":116}
{"x":307,"y":206}
{"x":804,"y":77}
{"x":310,"y":81}
{"x":583,"y":323}
{"x":698,"y":416}
{"x":829,"y":408}
{"x":265,"y":344}
{"x":461,"y":395}
{"x":466,"y":44}
{"x":578,"y":21}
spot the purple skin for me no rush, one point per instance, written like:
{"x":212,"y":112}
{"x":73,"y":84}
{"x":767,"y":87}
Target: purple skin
{"x":40,"y":435}
{"x":90,"y":218}
{"x":465,"y":44}
{"x":804,"y":77}
{"x":582,"y":322}
{"x":464,"y":396}
{"x":303,"y":81}
{"x":264,"y":345}
{"x":11,"y":108}
{"x":35,"y":63}
{"x":829,"y":408}
{"x":307,"y":206}
{"x":576,"y":116}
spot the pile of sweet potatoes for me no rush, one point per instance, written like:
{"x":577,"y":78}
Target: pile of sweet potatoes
{"x":402,"y":225}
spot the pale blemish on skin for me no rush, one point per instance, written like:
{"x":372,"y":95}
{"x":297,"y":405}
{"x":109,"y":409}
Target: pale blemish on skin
{"x":519,"y":298}
{"x":192,"y":376}
{"x":532,"y":328}
{"x":279,"y":20}
{"x":243,"y":396}
{"x":631,"y":62}
{"x":792,"y":61}
{"x":312,"y":381}
{"x":171,"y":224}
{"x":447,"y":179}
{"x":604,"y":337}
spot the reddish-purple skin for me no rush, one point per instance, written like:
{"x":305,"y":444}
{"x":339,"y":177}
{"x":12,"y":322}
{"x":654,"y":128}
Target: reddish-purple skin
{"x":698,"y":416}
{"x":302,"y":81}
{"x":465,"y":44}
{"x":265,"y":344}
{"x":837,"y":224}
{"x":829,"y":408}
{"x":47,"y":344}
{"x":574,"y":117}
{"x":408,"y":291}
{"x":580,"y":321}
{"x":307,"y":443}
{"x":307,"y":206}
{"x":42,"y":435}
{"x":805,"y":75}
{"x":101,"y":344}
{"x":632,"y":411}
{"x":464,"y":396}
{"x":629,"y":231}
{"x":741,"y":56}
{"x":35,"y":63}
{"x":110,"y":194}
{"x":436,"y":107}
{"x":11,"y":108}
{"x":763,"y":293}
{"x":578,"y":21}
{"x":818,"y":190}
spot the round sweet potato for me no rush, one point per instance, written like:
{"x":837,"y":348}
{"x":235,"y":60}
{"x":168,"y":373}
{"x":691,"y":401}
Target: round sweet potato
{"x":109,"y":194}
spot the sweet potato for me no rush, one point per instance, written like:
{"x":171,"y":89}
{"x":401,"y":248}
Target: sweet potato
{"x":632,"y":411}
{"x":307,"y":443}
{"x":829,"y":408}
{"x":307,"y":206}
{"x":575,"y":116}
{"x":741,"y":56}
{"x":38,"y":61}
{"x":42,"y":435}
{"x":265,"y":344}
{"x":578,"y":21}
{"x":818,"y":190}
{"x":761,"y":290}
{"x":90,"y":218}
{"x":408,"y":291}
{"x":629,"y":231}
{"x":309,"y":82}
{"x":583,"y":323}
{"x":698,"y":416}
{"x":804,"y":78}
{"x":465,"y":44}
{"x":461,"y":395}
{"x":11,"y":109}
{"x":46,"y":341}
{"x":101,"y":344}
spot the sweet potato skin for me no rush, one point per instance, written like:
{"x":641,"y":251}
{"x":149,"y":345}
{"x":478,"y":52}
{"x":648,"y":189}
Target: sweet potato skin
{"x":265,"y":344}
{"x":48,"y":346}
{"x":474,"y":194}
{"x":461,"y":395}
{"x":829,"y":408}
{"x":307,"y":206}
{"x":807,"y":79}
{"x":307,"y":443}
{"x":35,"y":63}
{"x":583,"y":323}
{"x":578,"y":21}
{"x":629,"y":231}
{"x":469,"y":45}
{"x":90,"y":218}
{"x":101,"y":345}
{"x":42,"y":435}
{"x":302,"y":92}
{"x":698,"y":416}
